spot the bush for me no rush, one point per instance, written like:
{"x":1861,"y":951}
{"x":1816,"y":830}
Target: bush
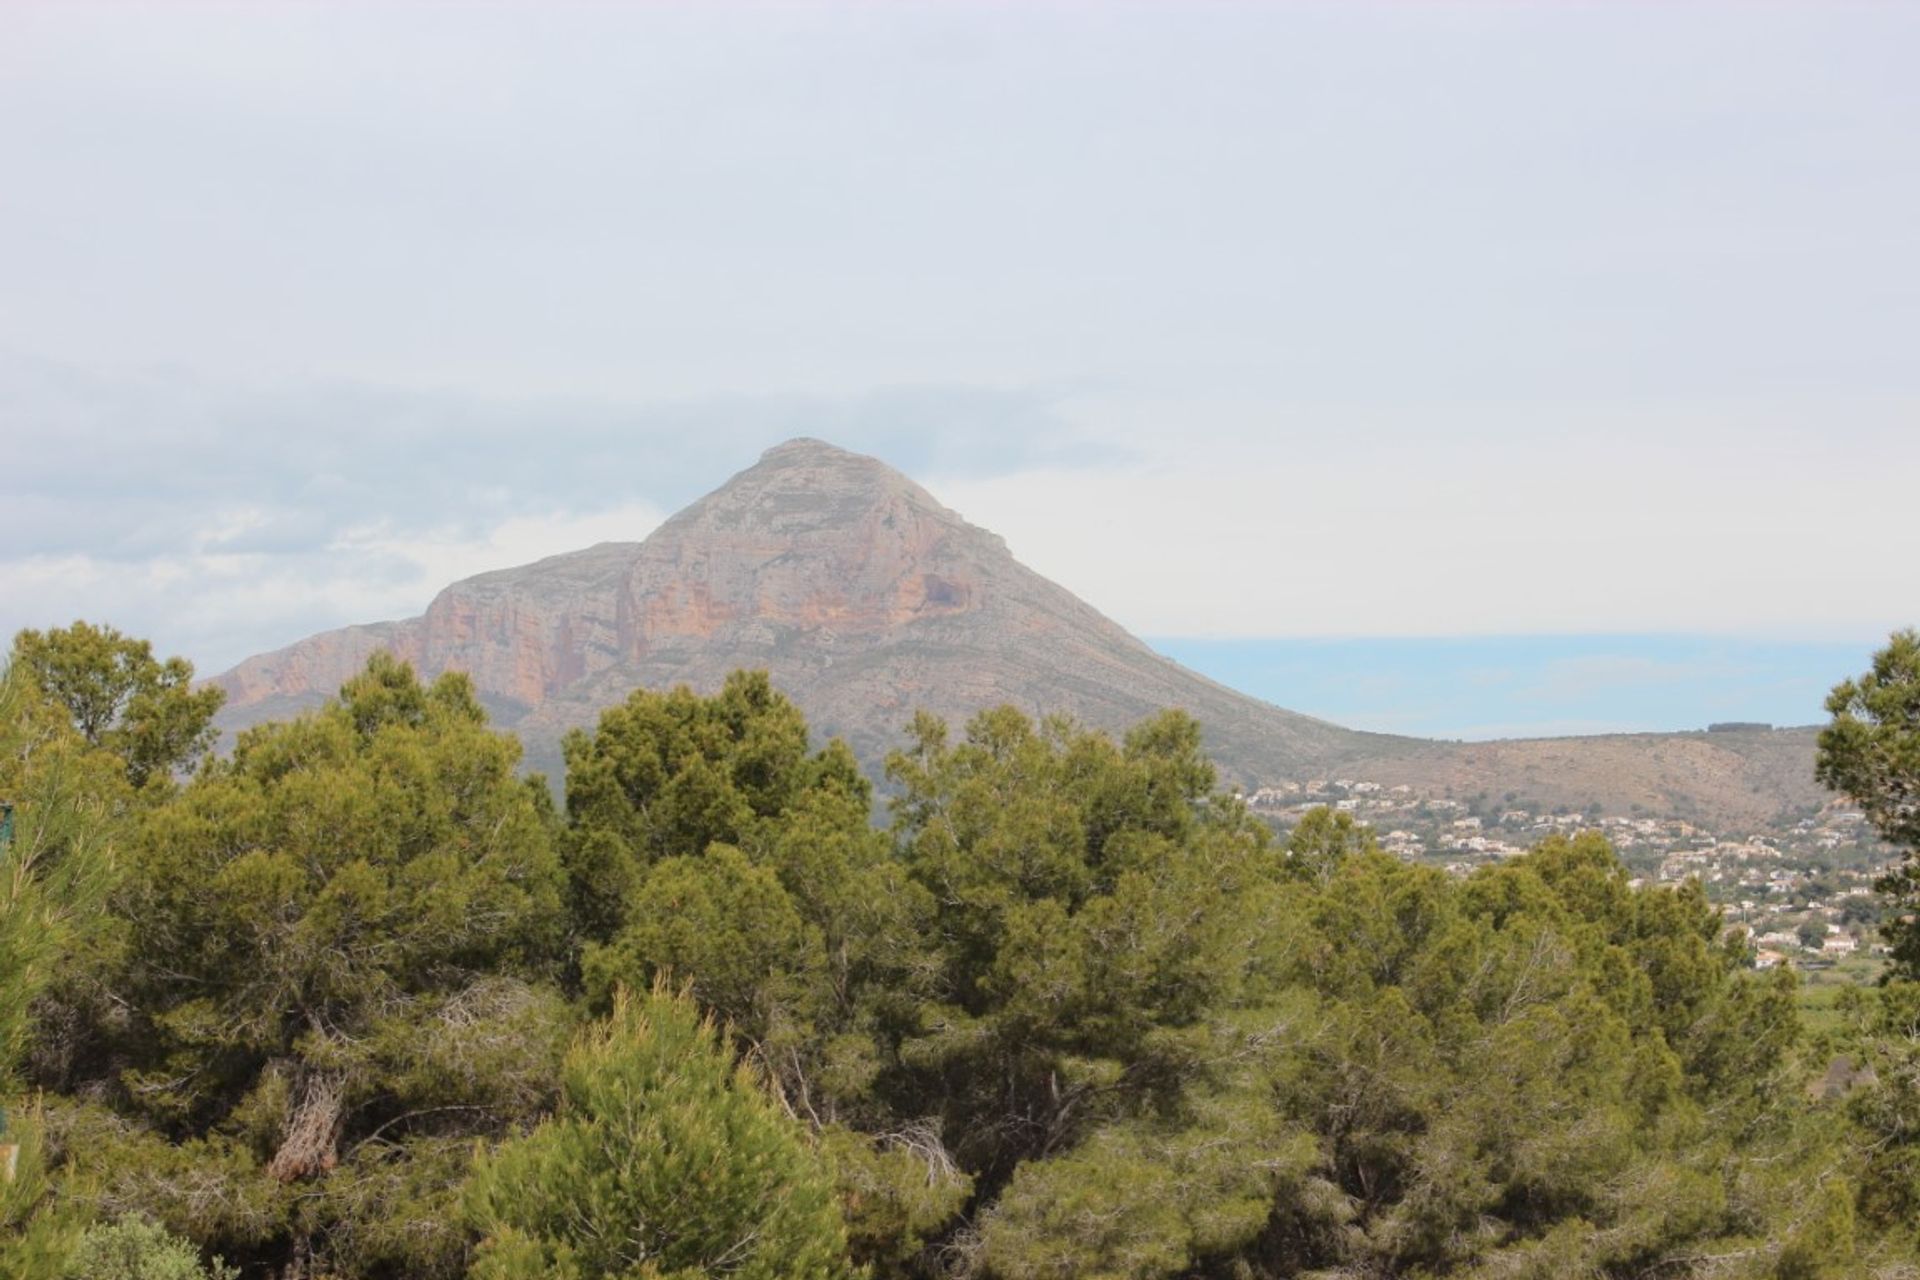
{"x":665,"y":1159}
{"x":134,"y":1248}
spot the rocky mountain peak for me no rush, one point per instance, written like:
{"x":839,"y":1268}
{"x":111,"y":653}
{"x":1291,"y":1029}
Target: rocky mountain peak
{"x":866,"y":600}
{"x":808,"y":486}
{"x":810,"y":553}
{"x":804,"y":450}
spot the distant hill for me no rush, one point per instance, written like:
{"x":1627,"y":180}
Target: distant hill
{"x":867,"y":600}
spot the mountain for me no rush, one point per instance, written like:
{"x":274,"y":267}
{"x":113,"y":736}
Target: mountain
{"x":866,"y":599}
{"x":863,"y":596}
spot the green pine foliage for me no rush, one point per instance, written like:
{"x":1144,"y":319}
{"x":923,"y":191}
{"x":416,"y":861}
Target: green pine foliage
{"x":1070,"y":1012}
{"x":69,"y":810}
{"x":1437,"y":1077}
{"x":668,"y":775}
{"x":1871,"y":754}
{"x":667,"y":1160}
{"x":37,"y":1231}
{"x":120,"y":697}
{"x":707,"y":841}
{"x":345,"y":936}
{"x":1882,"y":1045}
{"x":1092,"y":903}
{"x":898,"y":1191}
{"x":58,"y":864}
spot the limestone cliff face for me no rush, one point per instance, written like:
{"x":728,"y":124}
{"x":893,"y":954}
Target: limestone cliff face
{"x":523,"y":634}
{"x":867,"y":600}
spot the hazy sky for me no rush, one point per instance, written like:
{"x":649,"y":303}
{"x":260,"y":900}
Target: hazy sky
{"x":1240,"y":320}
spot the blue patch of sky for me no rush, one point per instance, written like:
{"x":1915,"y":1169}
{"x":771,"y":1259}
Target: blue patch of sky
{"x":1524,"y":686}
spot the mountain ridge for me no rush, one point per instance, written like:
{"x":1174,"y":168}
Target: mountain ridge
{"x":867,"y":600}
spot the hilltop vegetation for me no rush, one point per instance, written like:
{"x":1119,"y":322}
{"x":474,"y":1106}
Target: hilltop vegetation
{"x":358,"y":1001}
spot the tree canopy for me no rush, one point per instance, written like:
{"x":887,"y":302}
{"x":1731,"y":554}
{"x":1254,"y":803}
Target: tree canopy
{"x":345,"y":934}
{"x":1870,"y":752}
{"x":57,"y":864}
{"x":667,"y":1160}
{"x":1067,"y":1010}
{"x":120,"y":697}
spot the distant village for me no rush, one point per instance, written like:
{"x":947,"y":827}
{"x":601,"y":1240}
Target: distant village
{"x":1801,"y":895}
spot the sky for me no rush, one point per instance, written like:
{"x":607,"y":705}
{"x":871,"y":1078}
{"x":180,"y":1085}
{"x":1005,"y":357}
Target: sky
{"x":1463,"y":368}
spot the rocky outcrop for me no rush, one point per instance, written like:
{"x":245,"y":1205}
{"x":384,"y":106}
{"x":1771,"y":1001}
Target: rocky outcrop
{"x":295,"y":674}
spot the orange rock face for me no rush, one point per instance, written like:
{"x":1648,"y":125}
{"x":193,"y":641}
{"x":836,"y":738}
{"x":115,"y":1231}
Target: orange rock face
{"x":813,"y":542}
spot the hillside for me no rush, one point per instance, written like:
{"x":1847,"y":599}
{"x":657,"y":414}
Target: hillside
{"x":868,"y":600}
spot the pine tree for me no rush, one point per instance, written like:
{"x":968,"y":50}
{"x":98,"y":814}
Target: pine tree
{"x":66,"y":802}
{"x":1870,"y":752}
{"x":666,"y":1161}
{"x":119,"y":696}
{"x":344,"y":936}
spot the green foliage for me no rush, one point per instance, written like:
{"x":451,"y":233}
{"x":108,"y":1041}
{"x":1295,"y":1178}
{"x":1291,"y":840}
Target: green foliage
{"x":55,"y":873}
{"x":1092,"y":903}
{"x":1871,"y":750}
{"x":666,"y":1159}
{"x":896,"y":1192}
{"x":120,"y":697}
{"x":706,"y":842}
{"x":339,"y":869}
{"x":1870,"y":753}
{"x":1075,"y":1014}
{"x":1149,"y":1198}
{"x":1507,"y":1075}
{"x":211,"y":1189}
{"x":719,"y":919}
{"x":1499,"y":1073}
{"x":1885,"y":1104}
{"x":57,"y":868}
{"x":135,"y":1249}
{"x":343,"y":932}
{"x":37,"y":1232}
{"x":667,"y":775}
{"x":1323,"y":840}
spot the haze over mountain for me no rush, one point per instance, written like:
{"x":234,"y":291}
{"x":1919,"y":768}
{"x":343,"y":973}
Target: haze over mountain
{"x":867,"y":599}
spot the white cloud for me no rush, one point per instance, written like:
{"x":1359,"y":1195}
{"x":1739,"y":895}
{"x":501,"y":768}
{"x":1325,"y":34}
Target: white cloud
{"x":219,"y":607}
